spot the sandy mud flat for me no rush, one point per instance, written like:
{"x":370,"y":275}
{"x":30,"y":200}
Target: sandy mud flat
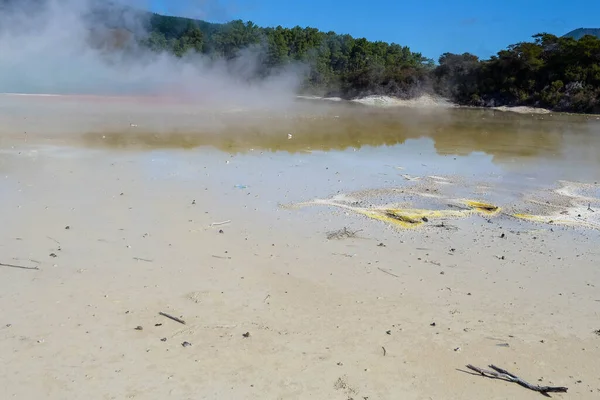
{"x":308,"y":259}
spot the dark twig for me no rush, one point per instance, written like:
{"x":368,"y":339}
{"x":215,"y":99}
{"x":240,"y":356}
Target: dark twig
{"x":384,"y":351}
{"x":499,"y":373}
{"x":54,"y":240}
{"x":387,"y":272}
{"x":17,"y":266}
{"x":141,"y":259}
{"x":342,"y":234}
{"x":172,"y":317}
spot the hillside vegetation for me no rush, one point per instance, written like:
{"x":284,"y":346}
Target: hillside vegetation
{"x":581,"y":32}
{"x":560,"y":73}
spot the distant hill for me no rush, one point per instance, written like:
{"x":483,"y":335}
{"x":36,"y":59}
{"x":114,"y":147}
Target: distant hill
{"x":581,"y":32}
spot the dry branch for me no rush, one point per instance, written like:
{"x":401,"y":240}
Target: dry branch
{"x":343,"y":233}
{"x":172,"y":317}
{"x":17,"y":266}
{"x":387,"y":272}
{"x":499,"y":373}
{"x":221,"y":223}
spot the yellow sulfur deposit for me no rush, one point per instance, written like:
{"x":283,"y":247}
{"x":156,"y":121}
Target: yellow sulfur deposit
{"x":482,"y":207}
{"x":409,"y":217}
{"x":559,"y":220}
{"x":530,"y":217}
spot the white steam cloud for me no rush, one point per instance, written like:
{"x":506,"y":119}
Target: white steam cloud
{"x":54,"y":46}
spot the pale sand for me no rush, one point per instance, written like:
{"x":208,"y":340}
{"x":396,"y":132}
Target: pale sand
{"x":523,"y":109}
{"x":319,"y":312}
{"x":424,"y":101}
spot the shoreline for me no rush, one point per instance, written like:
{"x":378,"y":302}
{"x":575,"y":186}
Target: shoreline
{"x":274,"y":306}
{"x":356,"y":258}
{"x":425,"y":101}
{"x":429,"y":100}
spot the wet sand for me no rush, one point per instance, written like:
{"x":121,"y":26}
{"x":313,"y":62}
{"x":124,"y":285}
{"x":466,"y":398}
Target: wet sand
{"x":390,"y":312}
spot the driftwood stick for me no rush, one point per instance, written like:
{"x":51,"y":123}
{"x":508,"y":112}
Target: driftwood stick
{"x":220,"y":223}
{"x":141,"y":259}
{"x":387,"y":272}
{"x":17,"y":266}
{"x":54,"y":240}
{"x":172,"y":317}
{"x":499,"y":373}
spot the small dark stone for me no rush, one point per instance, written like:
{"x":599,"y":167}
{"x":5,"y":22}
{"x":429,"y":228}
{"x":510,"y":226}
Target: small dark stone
{"x":432,"y":324}
{"x":381,"y":245}
{"x":425,"y":219}
{"x":53,"y":255}
{"x":388,"y":332}
{"x":193,"y":201}
{"x":221,"y":231}
{"x":139,"y":328}
{"x":247,"y":334}
{"x":67,"y":227}
{"x":163,"y":339}
{"x":502,"y":236}
{"x":468,"y":294}
{"x":157,"y":324}
{"x":186,"y":344}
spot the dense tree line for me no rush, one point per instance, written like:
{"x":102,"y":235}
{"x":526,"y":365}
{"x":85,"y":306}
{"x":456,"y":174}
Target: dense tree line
{"x":560,"y":73}
{"x":339,"y":64}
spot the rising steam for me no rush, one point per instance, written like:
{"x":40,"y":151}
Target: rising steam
{"x":85,"y":47}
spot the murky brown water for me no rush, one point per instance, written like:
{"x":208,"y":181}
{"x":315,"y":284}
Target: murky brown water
{"x":554,"y":143}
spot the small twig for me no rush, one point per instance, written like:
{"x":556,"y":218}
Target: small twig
{"x":590,"y":207}
{"x":220,"y":223}
{"x":342,"y":233}
{"x":141,"y":259}
{"x":343,"y":254}
{"x":17,"y":266}
{"x":387,"y":272}
{"x":384,"y":352}
{"x":267,"y":298}
{"x":500,"y":373}
{"x":172,"y":317}
{"x":54,"y":240}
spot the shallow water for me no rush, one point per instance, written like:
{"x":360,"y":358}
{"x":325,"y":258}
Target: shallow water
{"x":314,"y":149}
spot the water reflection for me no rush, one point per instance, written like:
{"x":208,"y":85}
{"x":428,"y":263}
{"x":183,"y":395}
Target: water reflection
{"x":507,"y":137}
{"x":455,"y":132}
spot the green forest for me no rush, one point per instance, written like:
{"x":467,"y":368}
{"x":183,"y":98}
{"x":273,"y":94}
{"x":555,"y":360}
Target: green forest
{"x":559,"y":73}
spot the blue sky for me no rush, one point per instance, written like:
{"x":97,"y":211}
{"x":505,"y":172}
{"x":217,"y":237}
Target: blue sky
{"x":431,"y":27}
